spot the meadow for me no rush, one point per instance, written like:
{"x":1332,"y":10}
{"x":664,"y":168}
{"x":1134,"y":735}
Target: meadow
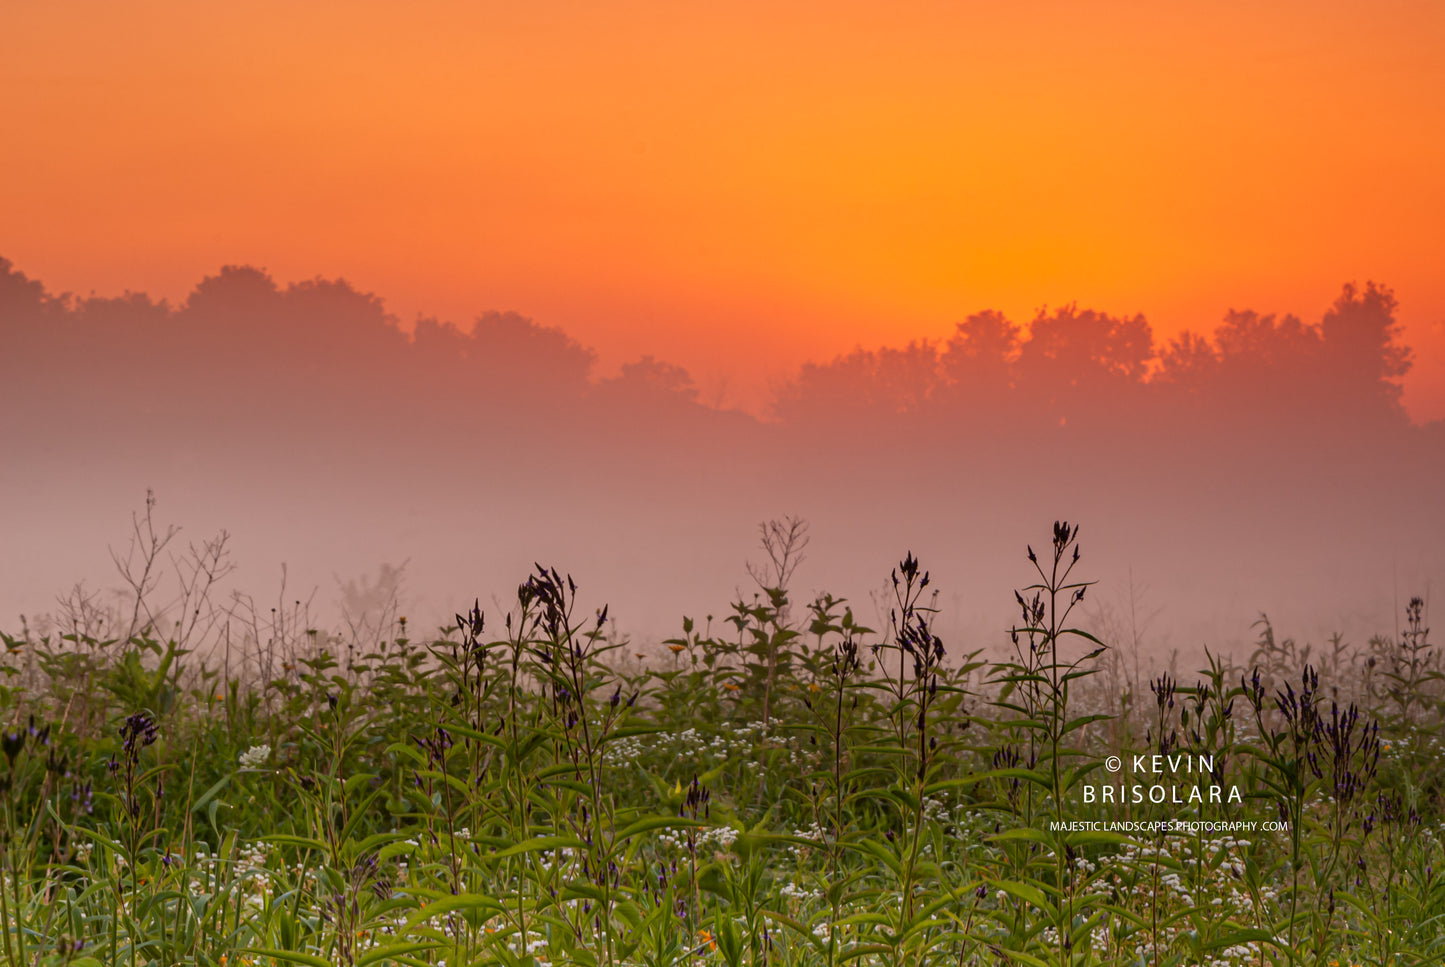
{"x":779,"y":786}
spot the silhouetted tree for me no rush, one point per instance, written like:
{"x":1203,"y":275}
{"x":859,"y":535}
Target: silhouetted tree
{"x":863,"y":387}
{"x":649,"y":381}
{"x":1077,"y":363}
{"x":977,"y":364}
{"x":1362,"y":358}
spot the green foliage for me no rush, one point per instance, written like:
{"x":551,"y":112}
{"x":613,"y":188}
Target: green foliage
{"x":798,"y":789}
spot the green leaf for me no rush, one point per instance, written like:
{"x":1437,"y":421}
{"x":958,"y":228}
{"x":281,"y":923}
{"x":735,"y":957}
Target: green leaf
{"x":302,"y":842}
{"x":211,"y":793}
{"x":392,"y":951}
{"x":1021,"y":957}
{"x":290,"y":956}
{"x":446,"y":904}
{"x":1082,"y":721}
{"x":1028,"y":893}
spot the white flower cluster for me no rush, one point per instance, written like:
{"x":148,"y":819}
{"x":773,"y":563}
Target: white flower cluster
{"x":795,"y":891}
{"x":722,"y":837}
{"x":718,"y":838}
{"x":688,"y":744}
{"x":255,"y":757}
{"x":1174,"y":875}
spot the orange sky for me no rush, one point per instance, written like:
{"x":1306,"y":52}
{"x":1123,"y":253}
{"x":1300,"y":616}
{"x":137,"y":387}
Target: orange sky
{"x":737,"y":186}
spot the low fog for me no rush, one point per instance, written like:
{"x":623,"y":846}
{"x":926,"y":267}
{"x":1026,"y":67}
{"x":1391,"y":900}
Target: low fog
{"x":361,"y":473}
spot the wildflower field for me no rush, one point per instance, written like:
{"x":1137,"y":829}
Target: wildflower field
{"x":779,"y":786}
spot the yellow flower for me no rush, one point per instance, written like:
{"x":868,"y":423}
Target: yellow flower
{"x":707,"y":940}
{"x":676,"y":648}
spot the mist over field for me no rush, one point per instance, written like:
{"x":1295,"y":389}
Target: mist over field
{"x":1265,"y":466}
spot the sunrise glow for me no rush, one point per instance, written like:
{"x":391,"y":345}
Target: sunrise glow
{"x":738,"y":188}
